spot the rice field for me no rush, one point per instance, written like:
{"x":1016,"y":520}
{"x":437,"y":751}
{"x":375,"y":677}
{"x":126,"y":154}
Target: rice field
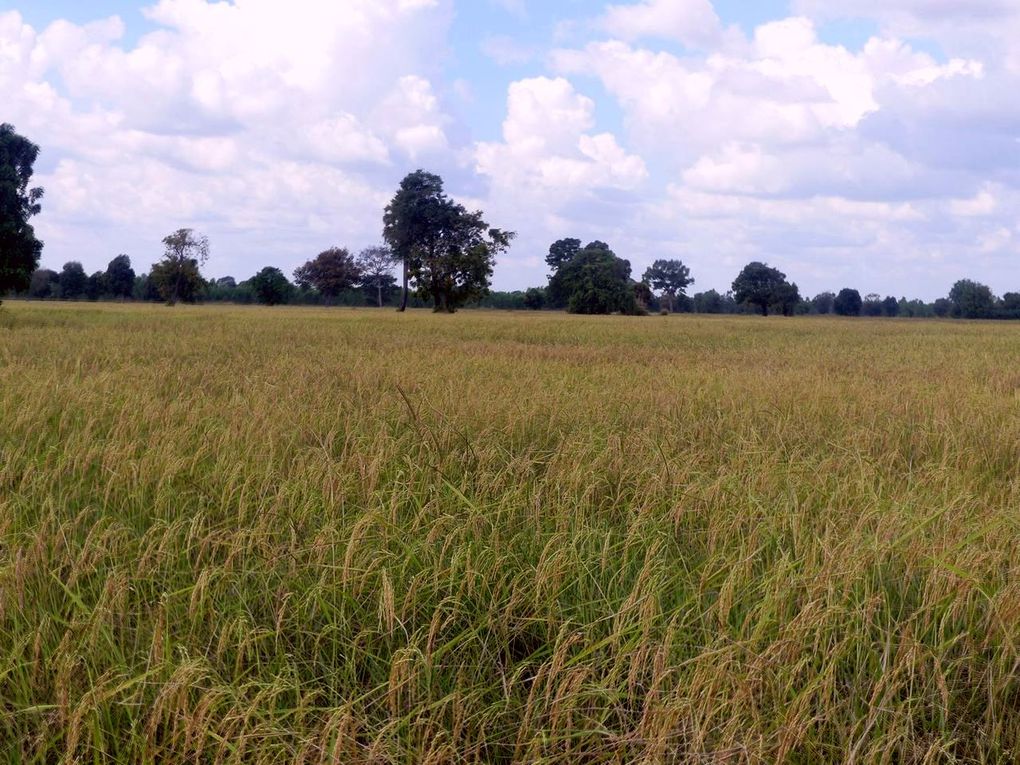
{"x":243,"y":535}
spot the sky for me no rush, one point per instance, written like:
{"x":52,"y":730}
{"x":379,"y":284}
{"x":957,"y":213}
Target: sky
{"x":872,"y":144}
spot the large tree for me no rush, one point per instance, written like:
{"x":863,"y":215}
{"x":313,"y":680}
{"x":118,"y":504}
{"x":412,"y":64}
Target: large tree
{"x":670,"y":277}
{"x":761,"y":286}
{"x":972,"y":300}
{"x":73,"y":281}
{"x":120,"y":277}
{"x":19,"y":249}
{"x":332,"y":272}
{"x":561,"y":253}
{"x":848,"y":303}
{"x":270,"y":286}
{"x":413,"y":223}
{"x":594,"y":281}
{"x":376,"y":266}
{"x":446,"y":251}
{"x":177,"y":275}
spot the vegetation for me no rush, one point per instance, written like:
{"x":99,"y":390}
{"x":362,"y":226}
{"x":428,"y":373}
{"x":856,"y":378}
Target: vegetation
{"x":177,"y":276}
{"x":447,"y":252}
{"x":592,"y":280}
{"x":237,"y":536}
{"x":19,"y":248}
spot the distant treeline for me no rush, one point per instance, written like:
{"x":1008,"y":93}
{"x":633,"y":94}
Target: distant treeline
{"x":335,"y":278}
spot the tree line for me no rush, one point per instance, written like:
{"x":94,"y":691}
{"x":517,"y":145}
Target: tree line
{"x":445,"y":254}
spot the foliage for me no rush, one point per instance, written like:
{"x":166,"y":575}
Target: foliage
{"x":177,"y":275}
{"x":562,"y":252}
{"x":762,"y":286}
{"x":534,"y":299}
{"x":19,"y":248}
{"x":326,"y":536}
{"x":848,"y":303}
{"x":332,"y":272}
{"x":376,"y":267}
{"x":120,"y":277}
{"x":447,"y":252}
{"x":73,"y":281}
{"x":670,"y":277}
{"x":44,"y":283}
{"x":595,"y":281}
{"x":972,"y":300}
{"x":270,"y":286}
{"x":95,"y":286}
{"x":823,"y":303}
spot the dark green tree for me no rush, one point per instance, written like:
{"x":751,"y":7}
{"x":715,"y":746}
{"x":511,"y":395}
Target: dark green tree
{"x":73,"y":281}
{"x":561,"y":253}
{"x":332,"y":272}
{"x":822,"y":303}
{"x":534,"y":299}
{"x":760,"y":286}
{"x":95,"y":286}
{"x":595,"y":281}
{"x":1009,"y":306}
{"x":376,"y":267}
{"x":120,"y":277}
{"x":708,"y":302}
{"x":270,"y":286}
{"x":848,"y":303}
{"x":942,"y":307}
{"x":448,"y":252}
{"x":786,"y":299}
{"x":19,"y":249}
{"x":43,"y":284}
{"x":177,"y":275}
{"x":413,"y":223}
{"x":972,"y":300}
{"x":891,"y":307}
{"x":671,"y":278}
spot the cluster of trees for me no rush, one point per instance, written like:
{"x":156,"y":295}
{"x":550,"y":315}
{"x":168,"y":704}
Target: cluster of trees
{"x":446,"y":254}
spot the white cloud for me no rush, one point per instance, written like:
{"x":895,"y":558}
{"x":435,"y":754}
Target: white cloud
{"x":691,"y":22}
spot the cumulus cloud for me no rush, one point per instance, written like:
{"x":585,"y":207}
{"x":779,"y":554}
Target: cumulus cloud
{"x":892,"y":165}
{"x":285,"y":121}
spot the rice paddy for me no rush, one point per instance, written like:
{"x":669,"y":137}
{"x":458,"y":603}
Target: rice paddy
{"x":240,"y":535}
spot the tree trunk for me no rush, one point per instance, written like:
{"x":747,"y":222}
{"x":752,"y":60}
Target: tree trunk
{"x":378,"y":287}
{"x":403,"y":302}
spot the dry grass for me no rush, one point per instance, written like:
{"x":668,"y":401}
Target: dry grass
{"x":268,"y":536}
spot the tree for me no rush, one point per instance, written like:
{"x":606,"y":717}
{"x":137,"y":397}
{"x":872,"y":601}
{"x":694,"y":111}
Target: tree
{"x":670,"y":277}
{"x":95,"y":286}
{"x":822,"y":303}
{"x":708,"y":302}
{"x":760,"y":285}
{"x":270,"y":286}
{"x":785,"y":298}
{"x":120,"y":277}
{"x":19,"y":249}
{"x":1009,"y":306}
{"x":73,"y":281}
{"x":872,"y":305}
{"x":43,"y":283}
{"x":848,"y":303}
{"x":972,"y":300}
{"x":333,"y":272}
{"x":412,"y":222}
{"x":534,"y":299}
{"x":177,"y":275}
{"x":448,"y":252}
{"x":891,"y":307}
{"x":376,"y":267}
{"x":942,"y":307}
{"x":595,"y":281}
{"x":562,"y":252}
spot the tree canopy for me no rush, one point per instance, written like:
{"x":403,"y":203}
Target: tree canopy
{"x":331,"y":272}
{"x":670,"y":277}
{"x":270,"y":286}
{"x":594,"y":281}
{"x":447,"y":252}
{"x":19,"y":249}
{"x":177,"y":275}
{"x":761,"y":286}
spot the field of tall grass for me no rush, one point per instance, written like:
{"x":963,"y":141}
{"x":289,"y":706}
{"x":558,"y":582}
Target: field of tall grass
{"x":234,"y":535}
